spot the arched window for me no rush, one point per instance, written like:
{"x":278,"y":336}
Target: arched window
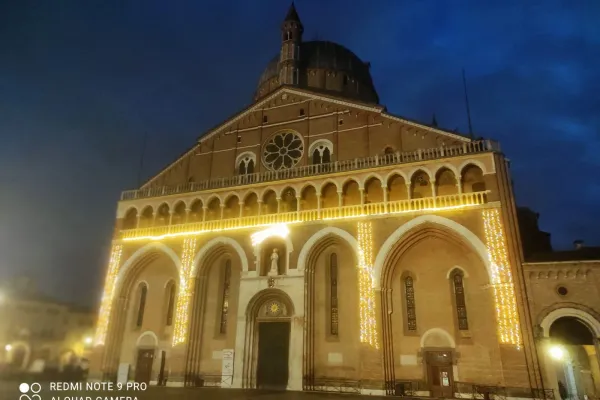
{"x":333,"y":289}
{"x":409,"y":294}
{"x":225,"y":298}
{"x":141,"y":305}
{"x":245,"y":163}
{"x":459,"y":300}
{"x":321,"y":151}
{"x":170,"y":302}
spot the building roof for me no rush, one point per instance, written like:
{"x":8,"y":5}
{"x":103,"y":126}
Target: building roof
{"x":329,"y":56}
{"x":582,"y":254}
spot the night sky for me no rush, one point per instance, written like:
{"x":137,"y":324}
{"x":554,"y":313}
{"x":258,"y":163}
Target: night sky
{"x":81,"y":82}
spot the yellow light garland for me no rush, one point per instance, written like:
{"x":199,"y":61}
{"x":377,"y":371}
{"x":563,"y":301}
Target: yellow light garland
{"x":185,"y":291}
{"x":368,"y":322}
{"x":501,"y":282}
{"x":108,"y":295}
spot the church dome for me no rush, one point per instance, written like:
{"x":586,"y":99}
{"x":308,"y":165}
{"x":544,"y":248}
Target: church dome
{"x":325,"y":67}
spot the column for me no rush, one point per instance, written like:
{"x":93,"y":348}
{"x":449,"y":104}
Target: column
{"x":340,"y":198}
{"x":204,"y":208}
{"x":433,"y":192}
{"x":187,"y":215}
{"x":408,"y":191}
{"x":459,"y":185}
{"x":139,"y":218}
{"x":278,"y":205}
{"x":385,"y":197}
{"x":241,"y":209}
{"x":319,"y":205}
{"x":171,"y":212}
{"x":260,"y":205}
{"x":298,"y":202}
{"x":222,"y":210}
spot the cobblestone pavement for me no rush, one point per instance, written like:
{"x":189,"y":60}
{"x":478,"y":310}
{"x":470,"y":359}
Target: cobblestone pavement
{"x":10,"y":391}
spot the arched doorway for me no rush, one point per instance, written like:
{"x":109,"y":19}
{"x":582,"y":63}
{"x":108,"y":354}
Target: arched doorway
{"x":268,"y":337}
{"x":574,"y":366}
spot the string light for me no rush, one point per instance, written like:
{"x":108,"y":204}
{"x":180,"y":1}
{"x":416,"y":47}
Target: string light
{"x":186,"y":291}
{"x":501,"y":282}
{"x":368,"y":322}
{"x":269,"y":220}
{"x":108,"y":295}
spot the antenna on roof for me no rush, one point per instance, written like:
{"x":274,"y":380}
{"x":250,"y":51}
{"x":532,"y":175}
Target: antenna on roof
{"x":142,"y":156}
{"x":467,"y":104}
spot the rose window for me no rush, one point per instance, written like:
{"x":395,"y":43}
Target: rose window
{"x":282,"y":151}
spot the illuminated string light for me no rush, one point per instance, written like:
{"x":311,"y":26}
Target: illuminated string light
{"x":108,"y":295}
{"x":368,"y":322}
{"x":186,"y":291}
{"x":502,"y":282}
{"x":327,"y":214}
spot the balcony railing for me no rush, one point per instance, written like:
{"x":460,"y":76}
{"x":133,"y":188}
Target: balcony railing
{"x":318,"y":169}
{"x":453,"y":201}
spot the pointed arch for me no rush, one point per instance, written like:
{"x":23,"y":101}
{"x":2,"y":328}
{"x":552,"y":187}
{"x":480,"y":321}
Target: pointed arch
{"x":469,"y":237}
{"x":138,"y":255}
{"x":315,"y":238}
{"x":221,"y":240}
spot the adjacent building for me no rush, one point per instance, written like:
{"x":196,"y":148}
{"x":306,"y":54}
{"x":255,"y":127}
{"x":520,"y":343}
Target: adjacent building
{"x":35,"y":327}
{"x":317,"y":241}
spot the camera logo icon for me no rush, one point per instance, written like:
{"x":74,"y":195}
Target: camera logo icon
{"x":30,"y":391}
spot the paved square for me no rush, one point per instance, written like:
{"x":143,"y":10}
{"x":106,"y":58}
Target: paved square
{"x":10,"y":390}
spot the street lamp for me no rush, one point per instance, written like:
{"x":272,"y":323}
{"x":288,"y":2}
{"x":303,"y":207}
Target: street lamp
{"x":8,"y":347}
{"x":556,"y":352}
{"x":88,"y":340}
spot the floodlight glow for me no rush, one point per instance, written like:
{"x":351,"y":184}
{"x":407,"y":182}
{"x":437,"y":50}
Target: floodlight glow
{"x":556,"y":352}
{"x":88,"y":340}
{"x":281,"y":231}
{"x":8,"y":347}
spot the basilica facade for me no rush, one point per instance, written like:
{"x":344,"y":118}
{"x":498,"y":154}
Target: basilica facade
{"x":315,"y":241}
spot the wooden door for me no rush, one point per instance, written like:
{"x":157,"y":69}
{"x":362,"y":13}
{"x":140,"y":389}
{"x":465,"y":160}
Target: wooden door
{"x":143,"y":367}
{"x":440,"y":374}
{"x":273,"y":349}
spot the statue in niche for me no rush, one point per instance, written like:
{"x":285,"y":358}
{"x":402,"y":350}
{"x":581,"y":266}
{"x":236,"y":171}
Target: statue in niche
{"x":274,"y":263}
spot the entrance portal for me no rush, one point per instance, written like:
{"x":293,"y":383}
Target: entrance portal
{"x":143,"y":367}
{"x":439,"y":373}
{"x":273,"y":351}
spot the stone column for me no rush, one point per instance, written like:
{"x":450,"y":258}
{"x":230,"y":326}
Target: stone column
{"x":241,"y":209}
{"x":222,"y":210}
{"x":362,"y":196}
{"x":204,"y":208}
{"x":171,"y":212}
{"x":319,"y":205}
{"x":260,"y":204}
{"x":298,"y":202}
{"x":385,"y":197}
{"x":459,"y":184}
{"x":340,"y":199}
{"x":187,"y":215}
{"x":408,"y":194}
{"x":278,"y":205}
{"x":433,"y":192}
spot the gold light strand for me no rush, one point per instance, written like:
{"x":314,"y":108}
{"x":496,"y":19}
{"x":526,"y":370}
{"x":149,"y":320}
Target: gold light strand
{"x":108,"y":295}
{"x":185,"y":291}
{"x":368,"y":323}
{"x":502,"y":282}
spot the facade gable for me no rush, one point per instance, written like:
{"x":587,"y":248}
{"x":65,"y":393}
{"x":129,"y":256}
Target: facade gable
{"x":352,"y":130}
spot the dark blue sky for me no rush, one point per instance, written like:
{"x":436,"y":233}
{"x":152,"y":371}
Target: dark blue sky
{"x":81,"y":81}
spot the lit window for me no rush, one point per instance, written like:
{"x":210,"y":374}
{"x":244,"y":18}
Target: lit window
{"x":170,"y":303}
{"x":225,"y":299}
{"x":459,"y":297}
{"x":409,"y":293}
{"x":333,"y":289}
{"x":142,"y":305}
